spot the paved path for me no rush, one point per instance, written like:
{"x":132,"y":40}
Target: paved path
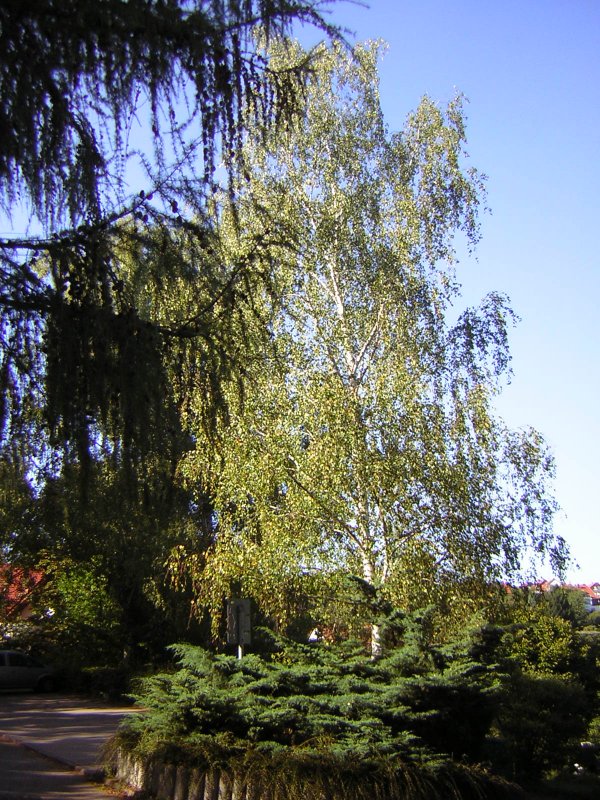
{"x":51,"y":746}
{"x":26,"y":775}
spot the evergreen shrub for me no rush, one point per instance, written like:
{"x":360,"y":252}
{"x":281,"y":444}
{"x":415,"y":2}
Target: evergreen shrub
{"x":328,"y":717}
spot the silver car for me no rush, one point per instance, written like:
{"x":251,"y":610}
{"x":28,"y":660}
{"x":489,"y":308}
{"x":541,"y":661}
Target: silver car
{"x":20,"y":671}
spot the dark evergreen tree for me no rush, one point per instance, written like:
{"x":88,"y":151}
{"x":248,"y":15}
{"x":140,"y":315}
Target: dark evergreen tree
{"x":85,"y":87}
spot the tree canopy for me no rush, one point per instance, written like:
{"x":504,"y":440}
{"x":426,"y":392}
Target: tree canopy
{"x":367,"y":441}
{"x":279,"y":333}
{"x":88,"y":91}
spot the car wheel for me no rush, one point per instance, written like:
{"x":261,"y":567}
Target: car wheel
{"x":46,"y":684}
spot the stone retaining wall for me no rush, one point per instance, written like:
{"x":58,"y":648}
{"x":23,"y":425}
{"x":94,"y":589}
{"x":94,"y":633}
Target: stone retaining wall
{"x":172,"y":782}
{"x":164,"y":781}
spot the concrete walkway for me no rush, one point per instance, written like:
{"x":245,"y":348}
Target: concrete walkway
{"x":26,"y":775}
{"x":64,"y":735}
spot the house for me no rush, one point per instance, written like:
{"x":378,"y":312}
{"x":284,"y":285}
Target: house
{"x":592,"y":596}
{"x":590,"y":592}
{"x":17,"y":590}
{"x":543,"y":585}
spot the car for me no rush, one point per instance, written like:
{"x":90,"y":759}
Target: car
{"x":19,"y":670}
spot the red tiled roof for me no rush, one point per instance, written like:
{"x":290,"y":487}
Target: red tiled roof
{"x":17,"y":586}
{"x":590,"y":591}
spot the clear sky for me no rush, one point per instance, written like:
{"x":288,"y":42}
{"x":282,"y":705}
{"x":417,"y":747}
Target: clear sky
{"x":531,"y":72}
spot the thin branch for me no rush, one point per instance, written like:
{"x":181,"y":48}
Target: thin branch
{"x":323,"y":505}
{"x":374,"y":330}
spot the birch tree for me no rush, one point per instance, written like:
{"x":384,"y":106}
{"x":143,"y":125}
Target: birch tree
{"x":368,"y":441}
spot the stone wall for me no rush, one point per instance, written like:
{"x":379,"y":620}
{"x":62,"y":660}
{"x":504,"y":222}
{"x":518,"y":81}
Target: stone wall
{"x":172,"y":782}
{"x":164,"y":781}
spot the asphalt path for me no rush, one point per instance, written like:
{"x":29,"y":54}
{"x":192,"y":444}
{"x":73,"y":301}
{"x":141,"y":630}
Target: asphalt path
{"x":51,"y":746}
{"x":26,"y":775}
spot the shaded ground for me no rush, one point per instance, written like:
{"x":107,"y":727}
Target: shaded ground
{"x":72,"y":730}
{"x":51,"y":746}
{"x":580,"y":787}
{"x":26,"y":774}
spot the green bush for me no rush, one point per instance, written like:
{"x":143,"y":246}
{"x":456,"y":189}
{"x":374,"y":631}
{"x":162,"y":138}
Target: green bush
{"x":518,"y":697}
{"x":541,"y":723}
{"x":327,"y":710}
{"x":593,"y":619}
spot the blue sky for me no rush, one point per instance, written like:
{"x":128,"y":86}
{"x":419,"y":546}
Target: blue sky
{"x":531,"y":72}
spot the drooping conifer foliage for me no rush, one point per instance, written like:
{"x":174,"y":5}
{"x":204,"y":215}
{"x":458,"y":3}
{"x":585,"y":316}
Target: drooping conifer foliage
{"x":87,"y":90}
